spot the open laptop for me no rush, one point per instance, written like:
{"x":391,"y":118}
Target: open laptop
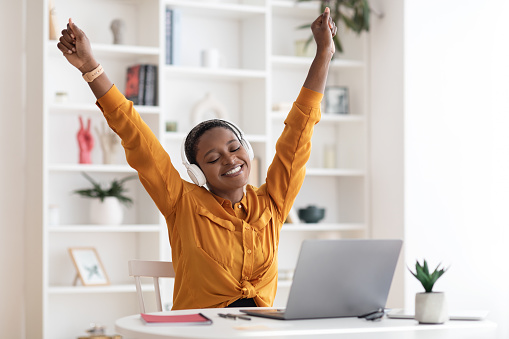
{"x":338,"y":278}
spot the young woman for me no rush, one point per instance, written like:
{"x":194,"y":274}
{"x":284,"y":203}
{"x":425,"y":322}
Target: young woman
{"x":224,"y":238}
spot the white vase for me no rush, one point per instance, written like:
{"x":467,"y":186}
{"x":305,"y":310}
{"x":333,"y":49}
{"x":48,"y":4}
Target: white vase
{"x":108,"y":212}
{"x":431,"y":308}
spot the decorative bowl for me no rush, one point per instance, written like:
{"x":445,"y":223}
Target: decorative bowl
{"x":311,"y":214}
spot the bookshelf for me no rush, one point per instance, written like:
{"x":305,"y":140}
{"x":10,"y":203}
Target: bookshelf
{"x":257,"y":70}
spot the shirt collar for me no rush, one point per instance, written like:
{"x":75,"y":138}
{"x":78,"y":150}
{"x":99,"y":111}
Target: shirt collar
{"x":226,"y":203}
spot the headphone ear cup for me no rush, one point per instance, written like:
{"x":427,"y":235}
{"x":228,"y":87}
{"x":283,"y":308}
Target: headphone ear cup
{"x":248,"y":148}
{"x":196,"y":175}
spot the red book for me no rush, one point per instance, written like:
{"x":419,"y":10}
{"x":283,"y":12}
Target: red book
{"x":175,"y":319}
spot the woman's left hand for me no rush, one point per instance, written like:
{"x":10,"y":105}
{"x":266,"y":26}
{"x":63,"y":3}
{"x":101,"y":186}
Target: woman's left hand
{"x":324,"y":30}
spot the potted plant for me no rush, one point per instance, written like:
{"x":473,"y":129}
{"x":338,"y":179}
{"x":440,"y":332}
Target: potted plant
{"x":353,"y":13}
{"x":430,"y":307}
{"x":106,"y":208}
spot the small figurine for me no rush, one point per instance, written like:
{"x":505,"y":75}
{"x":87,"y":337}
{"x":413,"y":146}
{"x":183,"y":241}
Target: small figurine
{"x":109,"y":143}
{"x":85,"y":143}
{"x":117,"y":27}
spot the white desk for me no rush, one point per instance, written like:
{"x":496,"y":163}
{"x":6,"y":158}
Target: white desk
{"x":132,"y":327}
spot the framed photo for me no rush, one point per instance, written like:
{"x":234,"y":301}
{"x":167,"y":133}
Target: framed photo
{"x":336,"y":100}
{"x":89,"y":267}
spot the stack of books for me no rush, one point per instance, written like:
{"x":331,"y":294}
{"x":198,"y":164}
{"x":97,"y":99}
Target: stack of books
{"x":141,"y":84}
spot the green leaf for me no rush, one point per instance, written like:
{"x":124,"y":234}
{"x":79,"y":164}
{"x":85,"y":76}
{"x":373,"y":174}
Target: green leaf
{"x":426,"y":271}
{"x":422,"y":274}
{"x":116,"y":189}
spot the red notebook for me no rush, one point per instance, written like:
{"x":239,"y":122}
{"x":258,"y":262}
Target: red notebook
{"x":175,"y":319}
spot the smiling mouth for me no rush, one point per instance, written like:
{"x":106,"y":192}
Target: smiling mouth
{"x":233,"y":171}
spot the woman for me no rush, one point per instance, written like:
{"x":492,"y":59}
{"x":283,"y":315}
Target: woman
{"x":224,"y":238}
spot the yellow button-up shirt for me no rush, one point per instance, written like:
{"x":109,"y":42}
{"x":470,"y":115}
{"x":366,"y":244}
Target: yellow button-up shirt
{"x":220,"y":252}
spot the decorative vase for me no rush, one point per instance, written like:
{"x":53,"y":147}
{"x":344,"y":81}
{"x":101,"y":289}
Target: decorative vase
{"x":107,"y":212}
{"x":431,"y":308}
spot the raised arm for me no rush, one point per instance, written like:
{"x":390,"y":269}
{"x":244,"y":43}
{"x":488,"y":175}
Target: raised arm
{"x":143,"y":150}
{"x":76,"y":48}
{"x":324,"y":29}
{"x":293,"y":148}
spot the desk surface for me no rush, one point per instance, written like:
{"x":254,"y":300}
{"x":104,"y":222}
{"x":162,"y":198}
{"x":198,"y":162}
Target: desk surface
{"x":349,"y":328}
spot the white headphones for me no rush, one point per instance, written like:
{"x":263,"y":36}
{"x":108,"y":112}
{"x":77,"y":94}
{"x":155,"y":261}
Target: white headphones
{"x":195,"y":173}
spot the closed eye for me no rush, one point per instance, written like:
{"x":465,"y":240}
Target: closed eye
{"x":213,"y":161}
{"x":235,"y":150}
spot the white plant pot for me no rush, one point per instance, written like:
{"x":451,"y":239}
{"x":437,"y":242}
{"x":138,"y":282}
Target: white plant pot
{"x":431,"y":308}
{"x":108,"y":212}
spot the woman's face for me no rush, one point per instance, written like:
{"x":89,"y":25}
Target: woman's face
{"x":224,"y":162}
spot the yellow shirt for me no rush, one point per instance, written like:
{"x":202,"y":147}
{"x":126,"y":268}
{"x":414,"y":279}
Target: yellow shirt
{"x":220,"y":252}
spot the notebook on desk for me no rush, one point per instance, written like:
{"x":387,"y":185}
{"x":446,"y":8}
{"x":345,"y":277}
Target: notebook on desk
{"x":338,"y":278}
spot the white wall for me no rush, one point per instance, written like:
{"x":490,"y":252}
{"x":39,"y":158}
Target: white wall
{"x":11,"y":169}
{"x":386,"y":131}
{"x":457,"y":150}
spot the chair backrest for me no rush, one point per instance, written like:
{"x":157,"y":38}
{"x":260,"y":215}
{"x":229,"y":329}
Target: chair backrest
{"x":152,"y":269}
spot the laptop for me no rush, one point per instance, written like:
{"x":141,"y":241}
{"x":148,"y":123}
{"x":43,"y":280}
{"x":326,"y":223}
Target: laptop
{"x":338,"y":278}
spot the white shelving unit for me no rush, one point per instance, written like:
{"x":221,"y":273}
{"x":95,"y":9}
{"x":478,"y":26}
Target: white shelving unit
{"x":258,"y":69}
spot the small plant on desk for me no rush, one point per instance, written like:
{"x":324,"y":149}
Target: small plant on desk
{"x":430,"y":307}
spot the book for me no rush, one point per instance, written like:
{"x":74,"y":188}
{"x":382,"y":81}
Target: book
{"x":141,"y":84}
{"x":150,"y":96}
{"x":168,"y":41}
{"x":175,"y":319}
{"x":135,"y":84}
{"x":173,"y":34}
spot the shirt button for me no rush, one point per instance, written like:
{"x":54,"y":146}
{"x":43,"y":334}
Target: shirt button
{"x":240,"y":206}
{"x":248,"y":251}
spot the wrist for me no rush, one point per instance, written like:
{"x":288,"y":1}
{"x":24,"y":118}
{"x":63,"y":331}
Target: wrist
{"x":324,"y":52}
{"x":88,"y":66}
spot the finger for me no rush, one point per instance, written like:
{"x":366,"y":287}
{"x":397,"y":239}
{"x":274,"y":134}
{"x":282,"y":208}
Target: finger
{"x":65,"y":42}
{"x":70,"y":28}
{"x":76,"y":31}
{"x":64,"y":49}
{"x":326,"y":16}
{"x":88,"y":125}
{"x":81,"y":122}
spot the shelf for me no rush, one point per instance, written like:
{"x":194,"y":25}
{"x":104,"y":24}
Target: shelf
{"x":174,"y":136}
{"x":216,"y":10}
{"x":322,"y":227}
{"x":98,"y":289}
{"x":295,"y":9}
{"x":283,"y":61}
{"x":138,"y":228}
{"x":335,"y":172}
{"x":74,"y":108}
{"x":179,"y":136}
{"x":325,"y":118}
{"x":111,"y":50}
{"x":214,"y":73}
{"x":91,"y":168}
{"x":284,"y":283}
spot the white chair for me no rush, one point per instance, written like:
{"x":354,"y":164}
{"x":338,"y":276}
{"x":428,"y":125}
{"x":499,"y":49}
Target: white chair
{"x":152,"y":269}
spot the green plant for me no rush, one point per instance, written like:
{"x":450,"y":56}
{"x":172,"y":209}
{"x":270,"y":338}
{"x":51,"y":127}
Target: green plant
{"x":354,"y":14}
{"x":426,"y":278}
{"x":116,"y":190}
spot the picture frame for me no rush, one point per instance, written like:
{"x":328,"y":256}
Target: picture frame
{"x":336,"y":100}
{"x":90,"y":270}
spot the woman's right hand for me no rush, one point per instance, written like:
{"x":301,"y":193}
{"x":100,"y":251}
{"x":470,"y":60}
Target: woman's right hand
{"x":75,"y":46}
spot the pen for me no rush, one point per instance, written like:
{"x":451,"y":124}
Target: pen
{"x":243,"y":317}
{"x":233,"y":316}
